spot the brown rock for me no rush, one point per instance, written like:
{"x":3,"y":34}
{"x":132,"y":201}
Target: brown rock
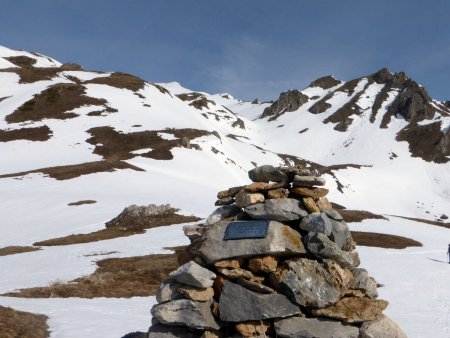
{"x":354,"y":310}
{"x":209,"y":334}
{"x":236,"y":273}
{"x":278,"y":193}
{"x":310,"y":205}
{"x":228,"y":264}
{"x":310,"y":192}
{"x":355,"y":257}
{"x":252,"y":329}
{"x":229,"y":193}
{"x":323,"y":203}
{"x":341,"y":277}
{"x":244,"y":199}
{"x":263,"y":264}
{"x":197,"y":294}
{"x":218,"y":282}
{"x":264,"y":187}
{"x":355,"y":293}
{"x":215,"y":309}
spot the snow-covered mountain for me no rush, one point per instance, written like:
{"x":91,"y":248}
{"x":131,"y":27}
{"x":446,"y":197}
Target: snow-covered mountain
{"x":67,"y":135}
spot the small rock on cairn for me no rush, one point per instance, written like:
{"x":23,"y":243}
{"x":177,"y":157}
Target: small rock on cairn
{"x":300,"y":279}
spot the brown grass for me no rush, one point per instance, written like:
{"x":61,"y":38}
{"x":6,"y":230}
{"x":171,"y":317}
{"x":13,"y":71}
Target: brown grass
{"x":115,"y":232}
{"x":12,"y":250}
{"x":114,"y":277}
{"x":18,"y":324}
{"x":383,"y":240}
{"x":31,"y":74}
{"x":120,"y":80}
{"x":76,"y":170}
{"x":358,"y":215}
{"x":116,"y":145}
{"x":82,"y":202}
{"x":31,"y":134}
{"x":55,"y":102}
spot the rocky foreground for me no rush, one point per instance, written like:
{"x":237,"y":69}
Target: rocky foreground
{"x":274,"y":260}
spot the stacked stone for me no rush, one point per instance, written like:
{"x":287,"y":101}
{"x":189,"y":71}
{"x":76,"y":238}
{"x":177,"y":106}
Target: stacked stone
{"x":301,"y":280}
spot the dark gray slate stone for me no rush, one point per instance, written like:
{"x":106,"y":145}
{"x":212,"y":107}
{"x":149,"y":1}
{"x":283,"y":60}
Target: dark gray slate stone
{"x":281,"y":210}
{"x":340,"y":234}
{"x":254,"y":286}
{"x":297,"y":327}
{"x":162,"y":331}
{"x":321,"y":246}
{"x":362,"y":281}
{"x":224,"y":201}
{"x":237,"y":304}
{"x":221,"y":213}
{"x":307,"y":181}
{"x":281,"y":240}
{"x":184,"y":312}
{"x":193,"y":274}
{"x":317,"y":222}
{"x":267,"y":173}
{"x":307,"y":283}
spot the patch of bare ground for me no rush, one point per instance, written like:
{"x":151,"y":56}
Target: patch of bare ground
{"x":21,"y":61}
{"x":30,"y":74}
{"x":12,"y":250}
{"x":31,"y":134}
{"x":421,"y":220}
{"x":359,"y":215}
{"x":115,"y":232}
{"x":118,"y":145}
{"x":82,"y":202}
{"x":120,"y":80}
{"x":68,"y":172}
{"x":114,"y":277}
{"x":18,"y":324}
{"x":383,"y":240}
{"x":56,"y":102}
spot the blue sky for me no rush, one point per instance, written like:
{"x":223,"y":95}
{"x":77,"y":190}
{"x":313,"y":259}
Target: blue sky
{"x":250,"y":48}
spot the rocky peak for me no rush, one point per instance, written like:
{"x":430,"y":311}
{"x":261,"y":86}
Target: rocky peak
{"x":287,"y":102}
{"x":325,"y":82}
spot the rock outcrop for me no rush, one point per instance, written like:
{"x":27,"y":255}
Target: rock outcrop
{"x":272,"y":264}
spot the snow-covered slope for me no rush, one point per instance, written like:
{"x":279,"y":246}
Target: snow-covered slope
{"x":68,"y":135}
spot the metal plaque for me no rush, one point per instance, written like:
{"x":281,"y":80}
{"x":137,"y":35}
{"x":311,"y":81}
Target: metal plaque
{"x":246,"y":230}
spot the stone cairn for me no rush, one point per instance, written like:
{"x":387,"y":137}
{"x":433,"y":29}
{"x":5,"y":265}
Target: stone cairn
{"x":301,"y":279}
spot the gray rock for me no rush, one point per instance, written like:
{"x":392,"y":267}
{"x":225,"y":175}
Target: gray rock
{"x":221,"y":213}
{"x":382,"y":327}
{"x":267,"y":173}
{"x":184,"y":312}
{"x":306,"y":282}
{"x":317,"y":222}
{"x":281,"y":240}
{"x":162,"y":331}
{"x":283,"y":209}
{"x":297,"y":327}
{"x":194,"y":232}
{"x":333,"y":214}
{"x":307,"y":181}
{"x":254,"y":286}
{"x":193,"y":274}
{"x":362,"y":281}
{"x":168,"y":291}
{"x":321,"y":246}
{"x":237,"y":304}
{"x":340,"y":234}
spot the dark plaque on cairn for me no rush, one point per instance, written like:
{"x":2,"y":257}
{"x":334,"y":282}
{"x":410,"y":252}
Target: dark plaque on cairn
{"x":246,"y":230}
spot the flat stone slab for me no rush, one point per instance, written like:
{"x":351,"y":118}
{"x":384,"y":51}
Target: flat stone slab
{"x":162,"y":331}
{"x":237,"y":304}
{"x":221,"y":213}
{"x":307,"y":181}
{"x":184,"y":312}
{"x":297,"y":327}
{"x":281,"y":240}
{"x":193,"y":274}
{"x":321,"y":246}
{"x":281,"y":210}
{"x":267,"y":173}
{"x":383,"y":327}
{"x":317,"y":222}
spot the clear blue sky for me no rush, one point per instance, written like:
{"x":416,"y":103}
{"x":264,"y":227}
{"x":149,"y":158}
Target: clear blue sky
{"x":250,"y":48}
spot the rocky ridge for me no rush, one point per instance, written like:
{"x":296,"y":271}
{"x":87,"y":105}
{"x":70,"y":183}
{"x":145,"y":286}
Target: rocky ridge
{"x":299,"y":277}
